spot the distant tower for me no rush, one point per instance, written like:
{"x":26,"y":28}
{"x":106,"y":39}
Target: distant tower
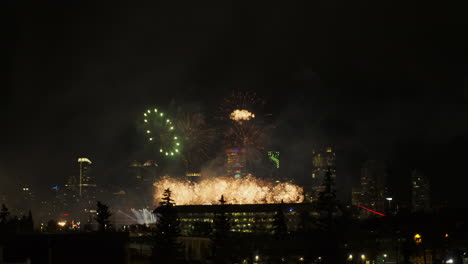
{"x":373,"y":185}
{"x":135,"y":170}
{"x":420,"y":192}
{"x":150,"y":171}
{"x":322,"y":161}
{"x":86,"y":183}
{"x":236,"y":162}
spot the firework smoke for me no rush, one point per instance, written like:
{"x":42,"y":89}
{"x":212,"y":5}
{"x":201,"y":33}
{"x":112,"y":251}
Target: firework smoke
{"x":248,"y":190}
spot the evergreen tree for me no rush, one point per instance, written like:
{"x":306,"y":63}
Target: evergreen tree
{"x":280,"y":228}
{"x":102,"y":216}
{"x":5,"y":224}
{"x":166,"y":232}
{"x":4,"y":213}
{"x":221,"y":234}
{"x":329,"y":210}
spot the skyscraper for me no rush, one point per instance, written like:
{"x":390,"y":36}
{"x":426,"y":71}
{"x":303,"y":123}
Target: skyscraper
{"x":322,"y":161}
{"x":86,"y":183}
{"x":420,"y":192}
{"x":373,"y":185}
{"x":235,"y":164}
{"x":86,"y":187}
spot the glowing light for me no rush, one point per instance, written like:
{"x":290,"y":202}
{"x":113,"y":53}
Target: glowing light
{"x":177,"y":144}
{"x":389,"y":198}
{"x":147,"y":131}
{"x":144,"y":114}
{"x":350,"y":257}
{"x":175,"y":137}
{"x":172,"y":128}
{"x":161,"y":114}
{"x":155,"y":110}
{"x":372,"y":211}
{"x":248,"y":190}
{"x":149,"y":111}
{"x":150,"y":139}
{"x":363,"y":256}
{"x":446,"y":235}
{"x":384,"y":255}
{"x":160,"y":150}
{"x":417,"y":238}
{"x":62,"y":223}
{"x":176,"y":150}
{"x":146,"y":121}
{"x":449,"y":261}
{"x":239,"y":115}
{"x":301,"y":259}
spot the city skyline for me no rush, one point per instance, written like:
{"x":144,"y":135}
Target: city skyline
{"x":370,"y":97}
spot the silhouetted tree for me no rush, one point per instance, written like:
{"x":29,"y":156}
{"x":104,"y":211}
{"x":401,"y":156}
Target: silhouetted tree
{"x":329,"y":210}
{"x":4,"y":213}
{"x":4,"y":221}
{"x":280,"y":228}
{"x":166,"y":232}
{"x":221,"y":234}
{"x":102,"y":216}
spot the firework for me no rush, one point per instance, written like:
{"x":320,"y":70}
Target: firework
{"x":197,"y":138}
{"x":248,"y":136}
{"x":241,"y":101}
{"x":248,"y":190}
{"x":239,"y":115}
{"x":160,"y":131}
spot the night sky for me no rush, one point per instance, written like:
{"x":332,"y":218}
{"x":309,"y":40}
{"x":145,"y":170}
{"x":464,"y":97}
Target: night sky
{"x":380,"y":80}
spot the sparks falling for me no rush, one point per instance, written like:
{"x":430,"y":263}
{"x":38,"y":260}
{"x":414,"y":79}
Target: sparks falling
{"x":248,"y":190}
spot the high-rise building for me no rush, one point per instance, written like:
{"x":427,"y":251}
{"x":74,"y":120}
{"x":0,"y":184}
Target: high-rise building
{"x":322,"y":161}
{"x":373,"y":185}
{"x":420,"y":192}
{"x":236,"y":163}
{"x":86,"y":183}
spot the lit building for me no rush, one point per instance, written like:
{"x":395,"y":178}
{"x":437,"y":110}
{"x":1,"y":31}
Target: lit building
{"x":355,"y":196}
{"x":235,"y":164}
{"x":135,"y":171}
{"x":86,"y":188}
{"x":150,"y":171}
{"x":373,"y":185}
{"x":322,"y":161}
{"x":420,"y":192}
{"x":86,"y":183}
{"x":244,"y":218}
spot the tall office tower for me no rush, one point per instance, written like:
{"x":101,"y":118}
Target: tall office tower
{"x":373,"y":185}
{"x":150,"y":172}
{"x":420,"y":192}
{"x":322,"y":161}
{"x":86,"y":183}
{"x":86,"y":187}
{"x":356,"y":196}
{"x":235,"y":164}
{"x":135,"y":171}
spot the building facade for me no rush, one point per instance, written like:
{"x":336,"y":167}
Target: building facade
{"x":236,"y":163}
{"x":322,"y":161}
{"x":420,"y":192}
{"x":373,"y":186}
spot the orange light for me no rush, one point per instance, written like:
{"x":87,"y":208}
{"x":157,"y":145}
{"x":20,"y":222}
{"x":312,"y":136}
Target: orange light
{"x":417,"y":238}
